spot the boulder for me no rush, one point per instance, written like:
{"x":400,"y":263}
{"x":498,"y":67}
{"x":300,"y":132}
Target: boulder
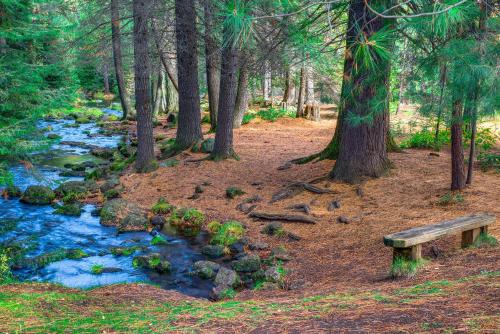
{"x":206,"y":269}
{"x":152,"y":261}
{"x":272,"y":274}
{"x":124,"y":215}
{"x":227,"y":278}
{"x":102,"y":152}
{"x":110,"y":183}
{"x":158,"y":221}
{"x":13,"y":191}
{"x":38,"y":195}
{"x":69,"y":209}
{"x":258,"y":246}
{"x":213,"y":251}
{"x":72,"y":187}
{"x":247,"y":264}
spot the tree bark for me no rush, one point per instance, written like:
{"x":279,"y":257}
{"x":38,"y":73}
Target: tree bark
{"x":442,"y":83}
{"x":158,"y":94}
{"x":302,"y":93}
{"x":457,"y":150}
{"x":223,"y":147}
{"x":241,"y":103}
{"x":145,"y":149}
{"x":212,"y":60}
{"x":189,"y":124}
{"x":105,"y":75}
{"x":363,"y":150}
{"x":167,"y":64}
{"x":267,"y":83}
{"x":117,"y":59}
{"x":287,"y":93}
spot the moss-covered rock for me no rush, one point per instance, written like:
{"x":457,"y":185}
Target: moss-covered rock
{"x":38,"y":195}
{"x":162,"y":207}
{"x":102,"y":152}
{"x":124,"y":215}
{"x":206,"y":269}
{"x":227,"y":278}
{"x":152,"y":261}
{"x":187,"y":221}
{"x":124,"y":251}
{"x":112,"y":193}
{"x":72,"y":187}
{"x":247,"y":264}
{"x":69,"y":209}
{"x":213,"y":251}
{"x":13,"y":191}
{"x":226,"y":234}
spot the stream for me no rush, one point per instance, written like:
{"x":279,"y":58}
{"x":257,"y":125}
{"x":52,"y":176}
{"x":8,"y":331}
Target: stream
{"x":40,"y":231}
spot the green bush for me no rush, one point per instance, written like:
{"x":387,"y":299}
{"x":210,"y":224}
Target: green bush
{"x":272,"y":114}
{"x":5,"y":273}
{"x":489,"y":161}
{"x":248,"y":117}
{"x":425,"y":139}
{"x":227,"y":233}
{"x":485,"y":139}
{"x":485,"y":240}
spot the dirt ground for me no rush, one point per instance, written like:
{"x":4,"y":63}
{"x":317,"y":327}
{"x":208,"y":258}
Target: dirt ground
{"x":330,"y":256}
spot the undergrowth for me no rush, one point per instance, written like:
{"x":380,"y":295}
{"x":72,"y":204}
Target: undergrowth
{"x":402,"y":267}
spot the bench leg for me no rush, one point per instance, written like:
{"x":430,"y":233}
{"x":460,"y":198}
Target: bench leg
{"x":410,"y":253}
{"x":468,"y":237}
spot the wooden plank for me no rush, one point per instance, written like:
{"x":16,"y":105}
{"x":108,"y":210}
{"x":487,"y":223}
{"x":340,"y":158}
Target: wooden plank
{"x":426,"y":233}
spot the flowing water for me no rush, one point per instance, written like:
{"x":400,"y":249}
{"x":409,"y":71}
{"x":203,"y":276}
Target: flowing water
{"x":41,"y":231}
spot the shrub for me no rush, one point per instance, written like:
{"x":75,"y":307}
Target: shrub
{"x":489,"y":161}
{"x":5,"y":273}
{"x":187,"y":221}
{"x":248,"y":117}
{"x":228,"y":293}
{"x":112,"y":193}
{"x":273,"y":114}
{"x":233,"y":192}
{"x":227,"y":233}
{"x":402,"y":267}
{"x":485,"y":139}
{"x":206,"y":119}
{"x":162,"y":207}
{"x":425,"y":139}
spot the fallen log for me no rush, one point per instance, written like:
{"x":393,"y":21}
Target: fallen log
{"x":282,"y":217}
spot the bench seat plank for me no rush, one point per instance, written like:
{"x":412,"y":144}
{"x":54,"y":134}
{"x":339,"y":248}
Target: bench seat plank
{"x":419,"y":235}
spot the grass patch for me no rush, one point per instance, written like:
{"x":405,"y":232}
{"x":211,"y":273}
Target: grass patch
{"x":272,"y":114}
{"x":451,"y":198}
{"x":187,"y":221}
{"x":402,"y":267}
{"x":485,"y":240}
{"x":226,"y":234}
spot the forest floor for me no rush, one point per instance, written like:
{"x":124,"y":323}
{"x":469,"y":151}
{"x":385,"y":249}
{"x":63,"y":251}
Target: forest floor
{"x":338,"y":277}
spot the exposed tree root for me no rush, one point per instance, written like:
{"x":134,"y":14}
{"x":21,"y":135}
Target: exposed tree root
{"x":296,"y":188}
{"x":282,"y":217}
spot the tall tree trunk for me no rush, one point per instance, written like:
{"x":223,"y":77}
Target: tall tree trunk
{"x":302,"y":93}
{"x":189,"y":125}
{"x":223,"y":147}
{"x":212,"y":60}
{"x":145,"y":149}
{"x":158,"y":94}
{"x":117,"y":59}
{"x":167,"y":64}
{"x":241,"y":103}
{"x":457,"y":150}
{"x":472,"y":149}
{"x":267,"y":83}
{"x":363,"y":150}
{"x":105,"y":75}
{"x":287,"y":93}
{"x":442,"y":83}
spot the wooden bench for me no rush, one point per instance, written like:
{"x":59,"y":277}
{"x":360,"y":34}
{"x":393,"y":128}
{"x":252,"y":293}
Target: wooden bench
{"x":408,"y":244}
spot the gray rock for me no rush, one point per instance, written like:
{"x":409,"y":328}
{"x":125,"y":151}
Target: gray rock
{"x":13,"y":191}
{"x":124,"y":215}
{"x":273,"y":275}
{"x":110,"y":184}
{"x":134,"y":221}
{"x":213,"y":251}
{"x":272,"y":228}
{"x":280,"y":253}
{"x":227,"y":278}
{"x":206,"y":269}
{"x":72,"y":187}
{"x":247,"y":264}
{"x":258,"y":246}
{"x":158,"y":221}
{"x":152,"y":261}
{"x":343,"y":220}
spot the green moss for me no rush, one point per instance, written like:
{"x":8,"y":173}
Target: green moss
{"x":213,"y":227}
{"x":162,"y":207}
{"x":485,"y":240}
{"x":158,"y":240}
{"x":112,"y":193}
{"x":402,"y":267}
{"x":228,"y":293}
{"x":124,"y":251}
{"x":97,"y":269}
{"x":228,"y":233}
